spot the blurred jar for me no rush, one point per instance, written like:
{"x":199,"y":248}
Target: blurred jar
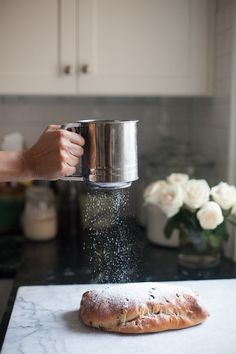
{"x":39,"y":220}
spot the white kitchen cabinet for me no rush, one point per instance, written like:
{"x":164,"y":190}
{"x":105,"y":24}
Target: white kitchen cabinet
{"x":106,"y":47}
{"x":145,"y":47}
{"x":37,"y":43}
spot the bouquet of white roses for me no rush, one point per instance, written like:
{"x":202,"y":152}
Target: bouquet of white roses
{"x":191,"y":205}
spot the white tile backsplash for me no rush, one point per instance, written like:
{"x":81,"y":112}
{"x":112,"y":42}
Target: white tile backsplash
{"x":223,"y":15}
{"x":223,"y":67}
{"x":224,"y":42}
{"x":159,"y":118}
{"x":222,"y":88}
{"x":220,"y":114}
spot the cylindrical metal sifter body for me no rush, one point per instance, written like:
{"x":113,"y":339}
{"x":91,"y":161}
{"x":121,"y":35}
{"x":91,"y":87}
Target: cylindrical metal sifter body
{"x":110,"y":153}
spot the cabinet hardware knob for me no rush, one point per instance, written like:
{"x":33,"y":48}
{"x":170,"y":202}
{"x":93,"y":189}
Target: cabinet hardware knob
{"x":67,"y":69}
{"x":85,"y":69}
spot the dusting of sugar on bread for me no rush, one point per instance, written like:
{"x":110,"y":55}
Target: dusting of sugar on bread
{"x":141,"y":308}
{"x":140,"y":294}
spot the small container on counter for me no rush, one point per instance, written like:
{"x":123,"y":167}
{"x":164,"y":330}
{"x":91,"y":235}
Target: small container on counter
{"x":39,"y":220}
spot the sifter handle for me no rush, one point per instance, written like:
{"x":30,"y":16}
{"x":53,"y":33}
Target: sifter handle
{"x":75,"y":128}
{"x":72,"y":127}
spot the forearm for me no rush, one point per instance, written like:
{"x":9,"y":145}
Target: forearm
{"x":54,"y":155}
{"x":13,"y":166}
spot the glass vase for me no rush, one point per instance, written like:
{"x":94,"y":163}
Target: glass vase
{"x":198,"y":249}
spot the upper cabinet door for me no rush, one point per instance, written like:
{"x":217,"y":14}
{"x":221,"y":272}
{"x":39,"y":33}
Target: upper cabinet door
{"x":37,"y":46}
{"x":144,"y":47}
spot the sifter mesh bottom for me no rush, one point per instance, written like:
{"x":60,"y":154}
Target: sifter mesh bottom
{"x":117,"y":185}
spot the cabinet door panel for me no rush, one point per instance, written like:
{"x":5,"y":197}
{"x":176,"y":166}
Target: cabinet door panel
{"x":36,"y":40}
{"x":143,"y":46}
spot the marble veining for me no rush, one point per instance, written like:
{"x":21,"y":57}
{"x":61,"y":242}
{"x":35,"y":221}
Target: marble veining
{"x":45,"y":321}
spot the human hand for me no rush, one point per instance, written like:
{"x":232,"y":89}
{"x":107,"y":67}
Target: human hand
{"x":54,"y":155}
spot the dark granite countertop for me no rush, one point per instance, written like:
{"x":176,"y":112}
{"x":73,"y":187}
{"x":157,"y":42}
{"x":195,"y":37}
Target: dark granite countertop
{"x":68,"y":260}
{"x":73,"y":260}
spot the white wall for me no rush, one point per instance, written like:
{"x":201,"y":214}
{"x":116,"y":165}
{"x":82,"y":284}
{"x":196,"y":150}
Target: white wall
{"x":211,"y":117}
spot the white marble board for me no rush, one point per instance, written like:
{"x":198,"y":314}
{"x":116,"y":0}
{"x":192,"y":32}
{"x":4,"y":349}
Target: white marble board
{"x":45,"y":321}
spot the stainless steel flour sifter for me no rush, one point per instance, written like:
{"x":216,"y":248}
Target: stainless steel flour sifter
{"x":110,"y":153}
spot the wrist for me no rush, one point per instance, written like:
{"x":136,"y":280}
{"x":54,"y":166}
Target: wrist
{"x":14,"y":166}
{"x":26,"y":165}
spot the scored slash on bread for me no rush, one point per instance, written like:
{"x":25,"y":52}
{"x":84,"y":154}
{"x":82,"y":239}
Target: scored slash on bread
{"x":141,"y":308}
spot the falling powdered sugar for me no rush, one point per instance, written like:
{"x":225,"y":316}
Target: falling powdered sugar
{"x":109,"y":242}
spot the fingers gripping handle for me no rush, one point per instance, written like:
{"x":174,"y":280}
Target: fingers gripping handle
{"x":75,"y":128}
{"x":72,"y":127}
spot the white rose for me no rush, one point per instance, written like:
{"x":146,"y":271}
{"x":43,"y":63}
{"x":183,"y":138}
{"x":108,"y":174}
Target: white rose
{"x":210,"y":216}
{"x":224,"y":195}
{"x":178,"y":178}
{"x":150,"y":192}
{"x":169,"y":199}
{"x":196,"y":193}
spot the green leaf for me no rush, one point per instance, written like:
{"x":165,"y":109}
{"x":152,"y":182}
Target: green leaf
{"x":221,"y":231}
{"x":206,"y":233}
{"x":189,"y":219}
{"x":170,"y":226}
{"x":215,"y":241}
